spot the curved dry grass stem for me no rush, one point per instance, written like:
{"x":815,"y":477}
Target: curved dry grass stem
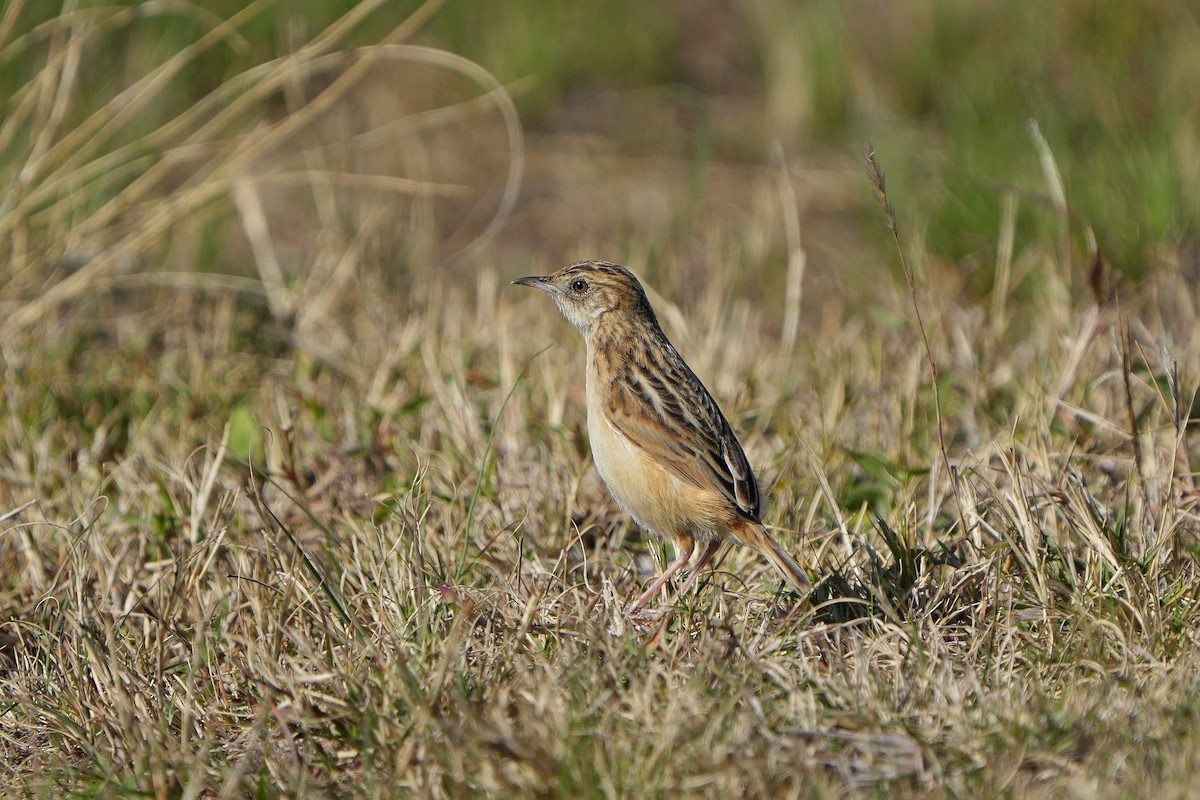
{"x":1056,"y":187}
{"x":797,"y":260}
{"x":225,"y":152}
{"x":879,"y":185}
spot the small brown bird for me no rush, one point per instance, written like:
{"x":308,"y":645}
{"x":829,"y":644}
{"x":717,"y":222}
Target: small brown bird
{"x":659,"y":440}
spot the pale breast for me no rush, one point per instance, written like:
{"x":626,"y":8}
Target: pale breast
{"x":648,"y":492}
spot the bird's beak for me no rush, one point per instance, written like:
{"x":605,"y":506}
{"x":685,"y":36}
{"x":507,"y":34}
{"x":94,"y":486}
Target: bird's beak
{"x":537,"y":281}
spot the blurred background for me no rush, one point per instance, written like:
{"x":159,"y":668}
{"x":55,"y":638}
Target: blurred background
{"x":647,"y":129}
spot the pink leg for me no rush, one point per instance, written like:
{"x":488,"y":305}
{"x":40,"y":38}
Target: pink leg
{"x":711,"y":550}
{"x":685,"y":555}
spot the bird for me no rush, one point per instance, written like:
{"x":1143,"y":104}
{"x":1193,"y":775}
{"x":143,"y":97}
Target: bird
{"x":658,"y":439}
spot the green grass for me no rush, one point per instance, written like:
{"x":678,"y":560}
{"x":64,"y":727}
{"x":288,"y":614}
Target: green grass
{"x":295,"y":493}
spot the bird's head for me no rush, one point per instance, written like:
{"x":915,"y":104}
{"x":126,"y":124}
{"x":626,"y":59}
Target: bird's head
{"x":591,"y":293}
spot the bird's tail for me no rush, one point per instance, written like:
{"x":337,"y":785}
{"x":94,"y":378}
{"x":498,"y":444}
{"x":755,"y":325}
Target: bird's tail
{"x":759,"y":538}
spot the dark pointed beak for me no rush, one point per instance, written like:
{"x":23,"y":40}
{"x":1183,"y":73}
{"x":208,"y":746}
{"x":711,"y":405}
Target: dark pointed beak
{"x":537,"y":281}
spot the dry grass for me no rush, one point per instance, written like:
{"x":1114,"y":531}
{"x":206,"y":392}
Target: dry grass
{"x":326,"y":525}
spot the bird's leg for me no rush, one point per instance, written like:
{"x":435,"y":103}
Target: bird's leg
{"x":686,"y":547}
{"x":709,"y":551}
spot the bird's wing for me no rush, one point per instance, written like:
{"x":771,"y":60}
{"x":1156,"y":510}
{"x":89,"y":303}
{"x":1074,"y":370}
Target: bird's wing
{"x":660,"y":405}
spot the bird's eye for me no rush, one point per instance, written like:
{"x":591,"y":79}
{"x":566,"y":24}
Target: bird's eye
{"x":579,"y":286}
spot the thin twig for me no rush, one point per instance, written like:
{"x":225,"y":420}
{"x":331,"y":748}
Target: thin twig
{"x":880,"y":186}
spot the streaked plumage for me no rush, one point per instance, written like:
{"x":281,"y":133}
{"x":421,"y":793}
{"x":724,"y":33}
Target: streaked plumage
{"x":659,"y":440}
